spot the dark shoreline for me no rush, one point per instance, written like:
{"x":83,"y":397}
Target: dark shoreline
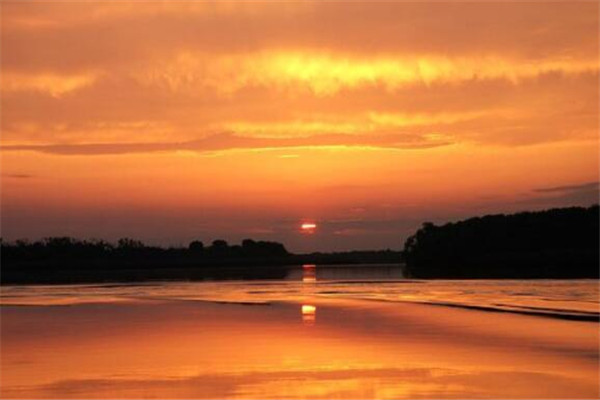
{"x":147,"y":270}
{"x":561,"y":243}
{"x":552,"y":244}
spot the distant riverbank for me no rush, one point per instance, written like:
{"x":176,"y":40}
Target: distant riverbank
{"x":561,"y":243}
{"x":67,"y":260}
{"x":553,"y":244}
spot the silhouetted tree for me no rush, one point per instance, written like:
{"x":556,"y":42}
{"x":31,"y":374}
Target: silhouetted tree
{"x":558,"y":243}
{"x":196,"y":246}
{"x":220,"y":244}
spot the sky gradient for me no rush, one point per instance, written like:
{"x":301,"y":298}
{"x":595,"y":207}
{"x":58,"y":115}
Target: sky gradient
{"x":173,"y":121}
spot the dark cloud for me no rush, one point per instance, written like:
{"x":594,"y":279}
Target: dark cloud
{"x":17,"y":176}
{"x":584,"y":194}
{"x":570,"y":188}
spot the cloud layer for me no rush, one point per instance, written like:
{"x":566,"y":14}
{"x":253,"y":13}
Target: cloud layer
{"x":289,"y":97}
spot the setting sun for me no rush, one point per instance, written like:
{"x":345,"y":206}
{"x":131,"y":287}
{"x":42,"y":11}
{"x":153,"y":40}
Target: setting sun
{"x":308,"y":227}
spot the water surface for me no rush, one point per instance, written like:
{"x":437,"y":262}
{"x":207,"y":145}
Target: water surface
{"x":320,"y":333}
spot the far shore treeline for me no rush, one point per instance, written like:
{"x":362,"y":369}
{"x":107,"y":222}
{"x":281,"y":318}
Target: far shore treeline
{"x":557,"y":243}
{"x":69,"y":260}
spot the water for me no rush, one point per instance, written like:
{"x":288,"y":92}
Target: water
{"x":374,"y":282}
{"x":322,"y":332}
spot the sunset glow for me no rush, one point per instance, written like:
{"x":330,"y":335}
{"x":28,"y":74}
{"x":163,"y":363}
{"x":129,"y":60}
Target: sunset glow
{"x":178,"y":121}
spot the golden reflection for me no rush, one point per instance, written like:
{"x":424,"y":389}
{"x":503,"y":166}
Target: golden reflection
{"x":181,"y":349}
{"x":309,"y":314}
{"x":309,"y":273}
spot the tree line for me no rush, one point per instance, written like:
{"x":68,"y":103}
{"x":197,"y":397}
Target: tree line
{"x":556,"y":243}
{"x":69,"y":260}
{"x":65,"y":249}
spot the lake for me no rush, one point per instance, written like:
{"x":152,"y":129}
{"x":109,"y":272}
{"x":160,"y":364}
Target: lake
{"x":321,"y":332}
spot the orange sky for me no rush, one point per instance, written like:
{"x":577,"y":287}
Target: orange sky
{"x":173,"y":121}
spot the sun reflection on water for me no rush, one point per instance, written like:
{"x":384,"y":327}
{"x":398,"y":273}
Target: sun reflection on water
{"x":309,"y":314}
{"x":309,"y":273}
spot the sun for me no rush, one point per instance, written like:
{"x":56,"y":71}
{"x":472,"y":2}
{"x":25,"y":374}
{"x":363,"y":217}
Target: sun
{"x":308,"y":227}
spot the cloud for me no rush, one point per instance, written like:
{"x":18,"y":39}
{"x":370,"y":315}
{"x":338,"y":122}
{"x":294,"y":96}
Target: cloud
{"x":580,"y":194}
{"x":506,"y":73}
{"x":570,"y":188}
{"x":327,"y":73}
{"x":225,"y":141}
{"x":53,"y":84}
{"x":548,"y":109}
{"x":118,"y":34}
{"x":18,"y":176}
{"x":363,"y":123}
